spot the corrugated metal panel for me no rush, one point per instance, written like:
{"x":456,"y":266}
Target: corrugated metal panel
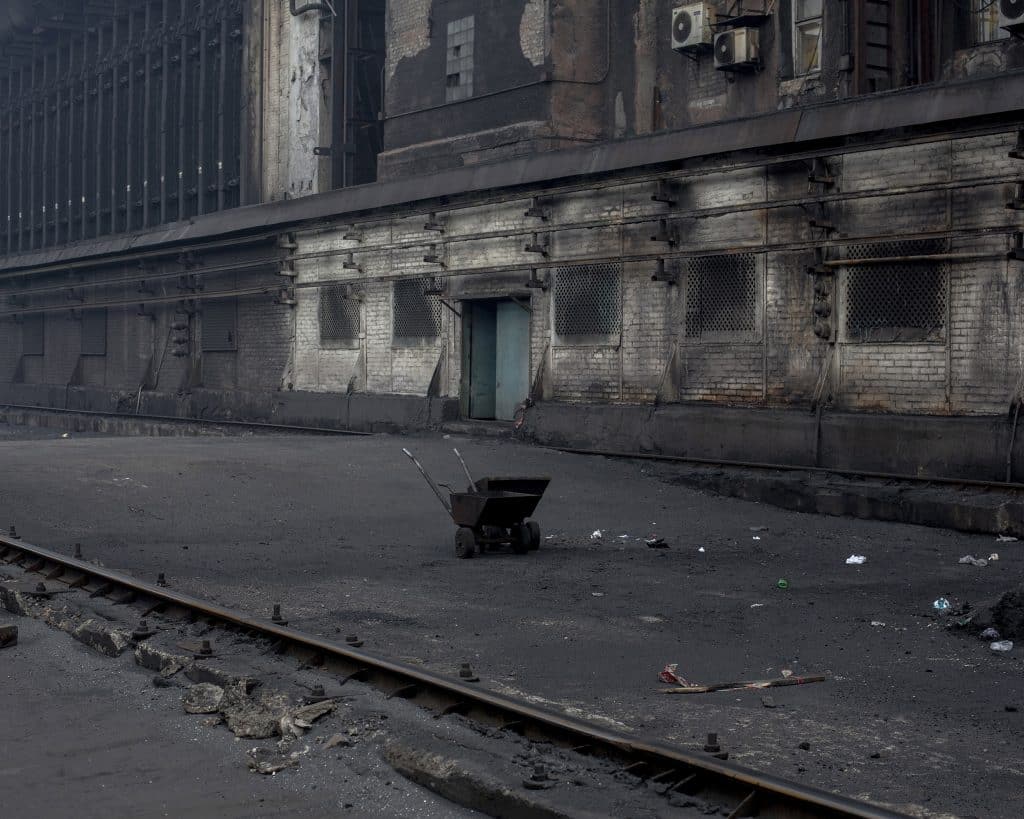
{"x":94,"y":332}
{"x":220,"y":318}
{"x":33,"y":335}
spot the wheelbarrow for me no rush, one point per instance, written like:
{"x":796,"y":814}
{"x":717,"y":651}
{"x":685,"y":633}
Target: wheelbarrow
{"x":491,"y":512}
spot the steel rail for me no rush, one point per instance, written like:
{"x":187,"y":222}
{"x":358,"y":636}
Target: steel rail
{"x":855,"y":473}
{"x":647,"y":759}
{"x":185,"y":420}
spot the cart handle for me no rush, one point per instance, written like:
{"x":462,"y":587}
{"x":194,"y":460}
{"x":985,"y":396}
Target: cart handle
{"x":440,"y":495}
{"x":472,"y":483}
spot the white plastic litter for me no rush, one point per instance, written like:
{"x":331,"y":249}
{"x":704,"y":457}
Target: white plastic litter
{"x":992,"y":558}
{"x":971,"y":560}
{"x":756,"y":605}
{"x":1006,"y":539}
{"x":878,"y":624}
{"x":701,"y":549}
{"x":856,"y":560}
{"x":1001,"y":645}
{"x":597,"y":534}
{"x":989,"y":634}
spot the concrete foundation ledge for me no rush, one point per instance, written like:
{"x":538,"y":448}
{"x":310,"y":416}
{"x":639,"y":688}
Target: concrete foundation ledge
{"x":962,"y":447}
{"x":359,"y":412}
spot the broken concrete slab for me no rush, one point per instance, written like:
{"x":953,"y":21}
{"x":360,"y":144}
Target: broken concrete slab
{"x":103,"y":638}
{"x":203,"y":698}
{"x":266,"y":762}
{"x":472,"y":789}
{"x":257,"y":716}
{"x":8,"y":636}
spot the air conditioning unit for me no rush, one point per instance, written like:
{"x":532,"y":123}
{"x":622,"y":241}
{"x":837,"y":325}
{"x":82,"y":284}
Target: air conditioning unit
{"x":691,"y":27}
{"x":1011,"y":15}
{"x":737,"y":49}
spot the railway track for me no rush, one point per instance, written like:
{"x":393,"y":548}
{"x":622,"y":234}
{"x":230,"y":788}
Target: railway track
{"x":738,"y":791}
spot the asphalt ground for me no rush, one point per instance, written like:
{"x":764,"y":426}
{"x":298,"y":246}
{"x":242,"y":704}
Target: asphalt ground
{"x":345,"y":534}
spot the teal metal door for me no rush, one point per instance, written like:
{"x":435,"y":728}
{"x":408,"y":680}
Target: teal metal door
{"x":512,"y":358}
{"x":482,"y":351}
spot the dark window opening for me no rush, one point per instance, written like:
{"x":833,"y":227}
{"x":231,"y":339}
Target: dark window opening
{"x":416,"y":314}
{"x":220,"y":321}
{"x":33,"y":335}
{"x":901,"y":300}
{"x":339,"y":314}
{"x":94,"y":332}
{"x":721,"y":297}
{"x":588,"y":300}
{"x":354,"y":52}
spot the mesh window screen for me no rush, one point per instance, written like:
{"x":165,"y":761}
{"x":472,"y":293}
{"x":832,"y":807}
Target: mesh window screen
{"x":94,"y":332}
{"x":339,"y":316}
{"x":897,"y":301}
{"x":721,"y":295}
{"x":32,"y":335}
{"x":588,"y":300}
{"x":219,"y":320}
{"x":414,"y":313}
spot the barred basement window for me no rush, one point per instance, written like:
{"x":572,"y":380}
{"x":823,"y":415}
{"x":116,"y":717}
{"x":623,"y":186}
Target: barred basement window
{"x":94,"y":332}
{"x":33,"y":333}
{"x":721,"y":296}
{"x":588,"y":300}
{"x":897,"y":301}
{"x":415,"y":314}
{"x":220,"y":318}
{"x":339,"y":315}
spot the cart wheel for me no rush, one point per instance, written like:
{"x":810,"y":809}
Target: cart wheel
{"x":520,"y":538}
{"x":465,"y":543}
{"x":534,"y":529}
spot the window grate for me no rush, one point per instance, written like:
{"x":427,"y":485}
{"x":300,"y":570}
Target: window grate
{"x":33,"y":334}
{"x":588,"y":300}
{"x":898,"y":301}
{"x":415,"y":314}
{"x":220,"y":319}
{"x":94,"y":332}
{"x":721,"y":295}
{"x":339,"y":314}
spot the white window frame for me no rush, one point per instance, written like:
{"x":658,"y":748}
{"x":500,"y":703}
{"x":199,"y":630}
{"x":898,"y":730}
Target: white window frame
{"x":799,"y":24}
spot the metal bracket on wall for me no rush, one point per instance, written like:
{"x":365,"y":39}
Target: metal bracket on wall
{"x":666,"y":193}
{"x":536,"y":280}
{"x":1017,"y":203}
{"x":449,"y":306}
{"x":433,"y":223}
{"x":536,"y":246}
{"x":349,"y":263}
{"x":538,"y":209}
{"x":1018,"y":150}
{"x":665,"y":234}
{"x":433,"y":257}
{"x":661,"y":274}
{"x":1016,"y":253}
{"x":286,"y":296}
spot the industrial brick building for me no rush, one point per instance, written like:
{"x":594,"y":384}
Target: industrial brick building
{"x":783,"y":231}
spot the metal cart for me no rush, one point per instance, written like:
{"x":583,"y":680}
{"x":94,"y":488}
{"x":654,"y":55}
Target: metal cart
{"x":492,"y":511}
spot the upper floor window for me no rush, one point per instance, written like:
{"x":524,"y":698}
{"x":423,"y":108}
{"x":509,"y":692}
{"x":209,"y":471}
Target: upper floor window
{"x":459,"y":62}
{"x":986,"y":21}
{"x":806,"y":36}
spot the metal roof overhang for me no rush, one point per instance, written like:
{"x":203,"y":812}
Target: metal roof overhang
{"x":994,"y":98}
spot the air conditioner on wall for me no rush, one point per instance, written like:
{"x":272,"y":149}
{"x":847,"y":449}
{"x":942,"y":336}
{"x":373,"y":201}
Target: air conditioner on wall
{"x":1011,"y":15}
{"x":737,"y":49}
{"x":691,"y":27}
